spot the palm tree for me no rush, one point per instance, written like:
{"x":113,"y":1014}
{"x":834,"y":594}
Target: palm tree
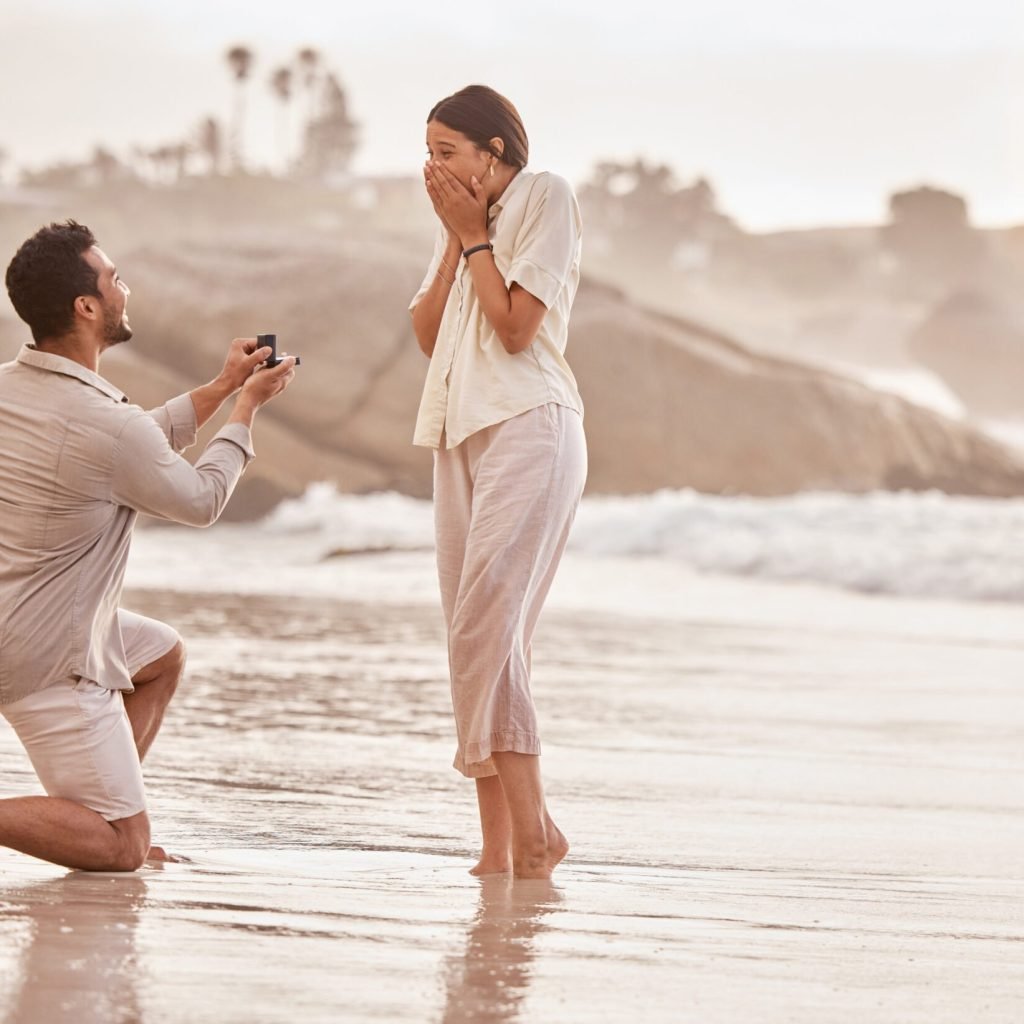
{"x":281,"y":86}
{"x":332,"y":138}
{"x":105,"y":166}
{"x":210,"y":143}
{"x":240,"y":60}
{"x":309,"y":65}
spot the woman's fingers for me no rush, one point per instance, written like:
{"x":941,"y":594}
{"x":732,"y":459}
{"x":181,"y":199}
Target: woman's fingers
{"x":442,"y":186}
{"x":447,"y":180}
{"x":458,"y":208}
{"x":433,"y":194}
{"x":441,"y":182}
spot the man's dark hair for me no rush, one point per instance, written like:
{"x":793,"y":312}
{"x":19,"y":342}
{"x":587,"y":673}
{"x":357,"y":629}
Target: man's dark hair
{"x":47,"y":274}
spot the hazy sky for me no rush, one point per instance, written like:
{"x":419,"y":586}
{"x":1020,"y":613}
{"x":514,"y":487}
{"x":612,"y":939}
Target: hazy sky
{"x":799,"y":111}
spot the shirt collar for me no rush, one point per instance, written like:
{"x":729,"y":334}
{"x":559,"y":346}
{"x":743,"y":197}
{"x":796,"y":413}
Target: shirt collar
{"x":32,"y":356}
{"x":510,"y":190}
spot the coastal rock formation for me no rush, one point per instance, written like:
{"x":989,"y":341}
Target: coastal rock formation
{"x":670,"y":404}
{"x":975,"y":343}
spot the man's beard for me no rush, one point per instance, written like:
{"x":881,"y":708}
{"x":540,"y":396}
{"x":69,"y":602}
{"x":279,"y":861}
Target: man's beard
{"x":115,"y":330}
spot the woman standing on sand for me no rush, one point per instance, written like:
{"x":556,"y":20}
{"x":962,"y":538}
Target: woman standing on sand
{"x":501,"y":409}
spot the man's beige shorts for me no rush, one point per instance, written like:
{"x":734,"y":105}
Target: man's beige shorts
{"x":78,"y":736}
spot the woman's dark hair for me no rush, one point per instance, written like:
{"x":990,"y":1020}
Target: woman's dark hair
{"x":482,"y":114}
{"x":47,"y":274}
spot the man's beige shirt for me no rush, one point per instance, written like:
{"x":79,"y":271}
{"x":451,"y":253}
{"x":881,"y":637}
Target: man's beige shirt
{"x":77,"y":465}
{"x":472,"y":382}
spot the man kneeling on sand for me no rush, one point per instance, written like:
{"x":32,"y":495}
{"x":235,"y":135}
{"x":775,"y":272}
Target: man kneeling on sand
{"x":83,"y":682}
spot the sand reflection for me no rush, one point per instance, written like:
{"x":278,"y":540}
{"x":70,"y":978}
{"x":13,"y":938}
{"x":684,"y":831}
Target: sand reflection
{"x":80,"y":962}
{"x":490,"y":980}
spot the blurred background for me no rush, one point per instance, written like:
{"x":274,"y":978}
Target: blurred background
{"x":803,"y":243}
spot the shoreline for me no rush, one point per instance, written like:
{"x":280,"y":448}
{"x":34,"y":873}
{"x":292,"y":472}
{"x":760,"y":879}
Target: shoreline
{"x":786,"y":805}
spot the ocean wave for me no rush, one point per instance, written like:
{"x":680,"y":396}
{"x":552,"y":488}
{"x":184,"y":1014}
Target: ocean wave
{"x":912,"y":544}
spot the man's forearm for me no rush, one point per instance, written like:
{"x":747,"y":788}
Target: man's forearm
{"x":209,"y":398}
{"x":244,"y":411}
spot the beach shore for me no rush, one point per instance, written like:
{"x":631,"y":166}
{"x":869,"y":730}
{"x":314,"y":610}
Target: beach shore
{"x":786,"y":803}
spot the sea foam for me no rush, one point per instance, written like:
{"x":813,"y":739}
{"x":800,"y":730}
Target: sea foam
{"x":913,"y":544}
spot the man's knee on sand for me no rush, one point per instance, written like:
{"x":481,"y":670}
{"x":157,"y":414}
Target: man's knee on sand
{"x":130,"y":843}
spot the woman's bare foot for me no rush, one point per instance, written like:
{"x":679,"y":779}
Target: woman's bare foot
{"x":493,"y":863}
{"x":558,"y":845}
{"x":539,"y":859}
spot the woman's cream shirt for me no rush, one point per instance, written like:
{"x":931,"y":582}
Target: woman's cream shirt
{"x":473,"y":382}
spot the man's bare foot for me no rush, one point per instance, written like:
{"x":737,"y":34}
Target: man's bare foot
{"x":492,"y":863}
{"x":158,"y":855}
{"x":540,"y":859}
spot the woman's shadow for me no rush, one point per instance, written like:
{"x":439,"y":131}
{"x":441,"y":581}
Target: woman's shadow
{"x":489,"y":982}
{"x":78,"y":960}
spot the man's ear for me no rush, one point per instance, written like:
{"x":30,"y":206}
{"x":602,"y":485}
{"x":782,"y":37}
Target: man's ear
{"x":87,"y":306}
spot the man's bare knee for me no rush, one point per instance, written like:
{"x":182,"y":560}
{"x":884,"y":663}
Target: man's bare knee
{"x":132,"y":844}
{"x":176,"y":658}
{"x":169,"y":667}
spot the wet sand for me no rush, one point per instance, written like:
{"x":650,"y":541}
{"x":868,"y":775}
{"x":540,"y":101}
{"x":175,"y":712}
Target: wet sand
{"x":785,"y":804}
{"x":409,"y":937}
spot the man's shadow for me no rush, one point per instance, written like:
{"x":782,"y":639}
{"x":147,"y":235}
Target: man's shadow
{"x":78,"y":959}
{"x":488,"y":983}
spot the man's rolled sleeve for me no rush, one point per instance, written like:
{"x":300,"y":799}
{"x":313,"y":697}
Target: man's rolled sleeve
{"x":150,"y":477}
{"x":237,"y":433}
{"x":177,"y":419}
